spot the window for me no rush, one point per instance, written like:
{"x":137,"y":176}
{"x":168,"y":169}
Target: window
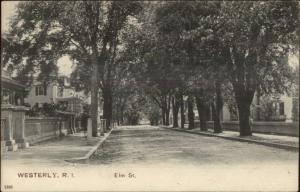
{"x":6,"y":96}
{"x":60,"y":92}
{"x":281,"y":108}
{"x":40,"y":90}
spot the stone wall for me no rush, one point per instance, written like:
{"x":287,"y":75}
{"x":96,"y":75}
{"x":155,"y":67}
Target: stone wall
{"x":280,"y":128}
{"x":39,"y":129}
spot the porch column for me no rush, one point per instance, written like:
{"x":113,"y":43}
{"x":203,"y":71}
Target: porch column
{"x":74,"y":124}
{"x":19,"y":113}
{"x":7,"y":114}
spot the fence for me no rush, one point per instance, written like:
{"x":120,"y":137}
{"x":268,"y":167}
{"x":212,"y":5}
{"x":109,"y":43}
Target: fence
{"x":280,"y":128}
{"x":39,"y":129}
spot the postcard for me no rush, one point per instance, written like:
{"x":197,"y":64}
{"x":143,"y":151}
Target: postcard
{"x":149,"y":96}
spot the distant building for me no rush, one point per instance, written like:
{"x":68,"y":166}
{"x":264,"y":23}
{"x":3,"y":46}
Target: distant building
{"x":273,"y":108}
{"x":276,"y":107}
{"x":266,"y":108}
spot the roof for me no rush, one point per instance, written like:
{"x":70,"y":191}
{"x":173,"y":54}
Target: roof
{"x":68,"y":98}
{"x":11,"y":83}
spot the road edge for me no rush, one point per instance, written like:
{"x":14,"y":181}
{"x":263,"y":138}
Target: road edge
{"x":84,"y":159}
{"x":269,"y":144}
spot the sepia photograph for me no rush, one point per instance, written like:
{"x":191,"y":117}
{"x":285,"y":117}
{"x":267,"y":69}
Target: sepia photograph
{"x":150,"y":95}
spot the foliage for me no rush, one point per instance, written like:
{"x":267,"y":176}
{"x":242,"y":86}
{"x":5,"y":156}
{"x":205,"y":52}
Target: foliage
{"x":266,"y":108}
{"x":152,"y":112}
{"x":46,"y":109}
{"x":230,"y":101}
{"x":87,"y":31}
{"x":253,"y":40}
{"x":295,"y":109}
{"x":170,"y":48}
{"x":295,"y":95}
{"x":154,"y":115}
{"x":133,"y":111}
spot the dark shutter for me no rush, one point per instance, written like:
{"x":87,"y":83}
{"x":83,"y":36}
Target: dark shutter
{"x":37,"y":90}
{"x":45,"y":90}
{"x":281,"y":108}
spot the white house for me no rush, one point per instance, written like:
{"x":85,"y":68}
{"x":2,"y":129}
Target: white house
{"x":53,"y":92}
{"x":267,"y":108}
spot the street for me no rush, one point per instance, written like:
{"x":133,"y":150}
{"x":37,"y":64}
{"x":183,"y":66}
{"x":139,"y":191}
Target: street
{"x":146,"y":145}
{"x":136,"y":158}
{"x":165,"y":159}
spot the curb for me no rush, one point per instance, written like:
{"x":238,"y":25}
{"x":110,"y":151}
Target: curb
{"x":87,"y":156}
{"x":275,"y":145}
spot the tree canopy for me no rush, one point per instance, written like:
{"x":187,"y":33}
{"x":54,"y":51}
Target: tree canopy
{"x":168,"y":50}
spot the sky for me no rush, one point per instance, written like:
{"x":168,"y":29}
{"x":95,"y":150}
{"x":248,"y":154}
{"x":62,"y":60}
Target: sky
{"x":8,"y":9}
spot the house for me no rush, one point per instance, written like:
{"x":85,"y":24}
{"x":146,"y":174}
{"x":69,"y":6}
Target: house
{"x":58,"y":92}
{"x":276,"y":107}
{"x":52,"y":92}
{"x":55,"y":92}
{"x":18,"y":130}
{"x":12,"y":113}
{"x":12,"y":91}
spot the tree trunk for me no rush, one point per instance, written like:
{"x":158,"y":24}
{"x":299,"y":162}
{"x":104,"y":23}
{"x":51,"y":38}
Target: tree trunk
{"x":117,"y":113}
{"x":167,"y":117}
{"x":175,"y":117}
{"x":110,"y":111}
{"x":163,"y":116}
{"x":175,"y":106}
{"x":244,"y":119}
{"x":191,"y":114}
{"x":94,"y":96}
{"x":216,"y":119}
{"x":107,"y":106}
{"x":257,"y":118}
{"x":182,"y":117}
{"x":217,"y":109}
{"x":168,"y":104}
{"x":244,"y":83}
{"x":122,"y":116}
{"x":244,"y":100}
{"x":202,"y":111}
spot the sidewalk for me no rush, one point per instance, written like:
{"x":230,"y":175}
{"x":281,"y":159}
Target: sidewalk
{"x":54,"y":152}
{"x":284,"y":142}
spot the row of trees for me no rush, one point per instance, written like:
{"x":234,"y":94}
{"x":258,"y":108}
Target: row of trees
{"x":214,"y":51}
{"x":135,"y":55}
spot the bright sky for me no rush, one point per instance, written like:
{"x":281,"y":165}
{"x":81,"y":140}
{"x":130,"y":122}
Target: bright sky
{"x":65,"y":65}
{"x":8,"y":9}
